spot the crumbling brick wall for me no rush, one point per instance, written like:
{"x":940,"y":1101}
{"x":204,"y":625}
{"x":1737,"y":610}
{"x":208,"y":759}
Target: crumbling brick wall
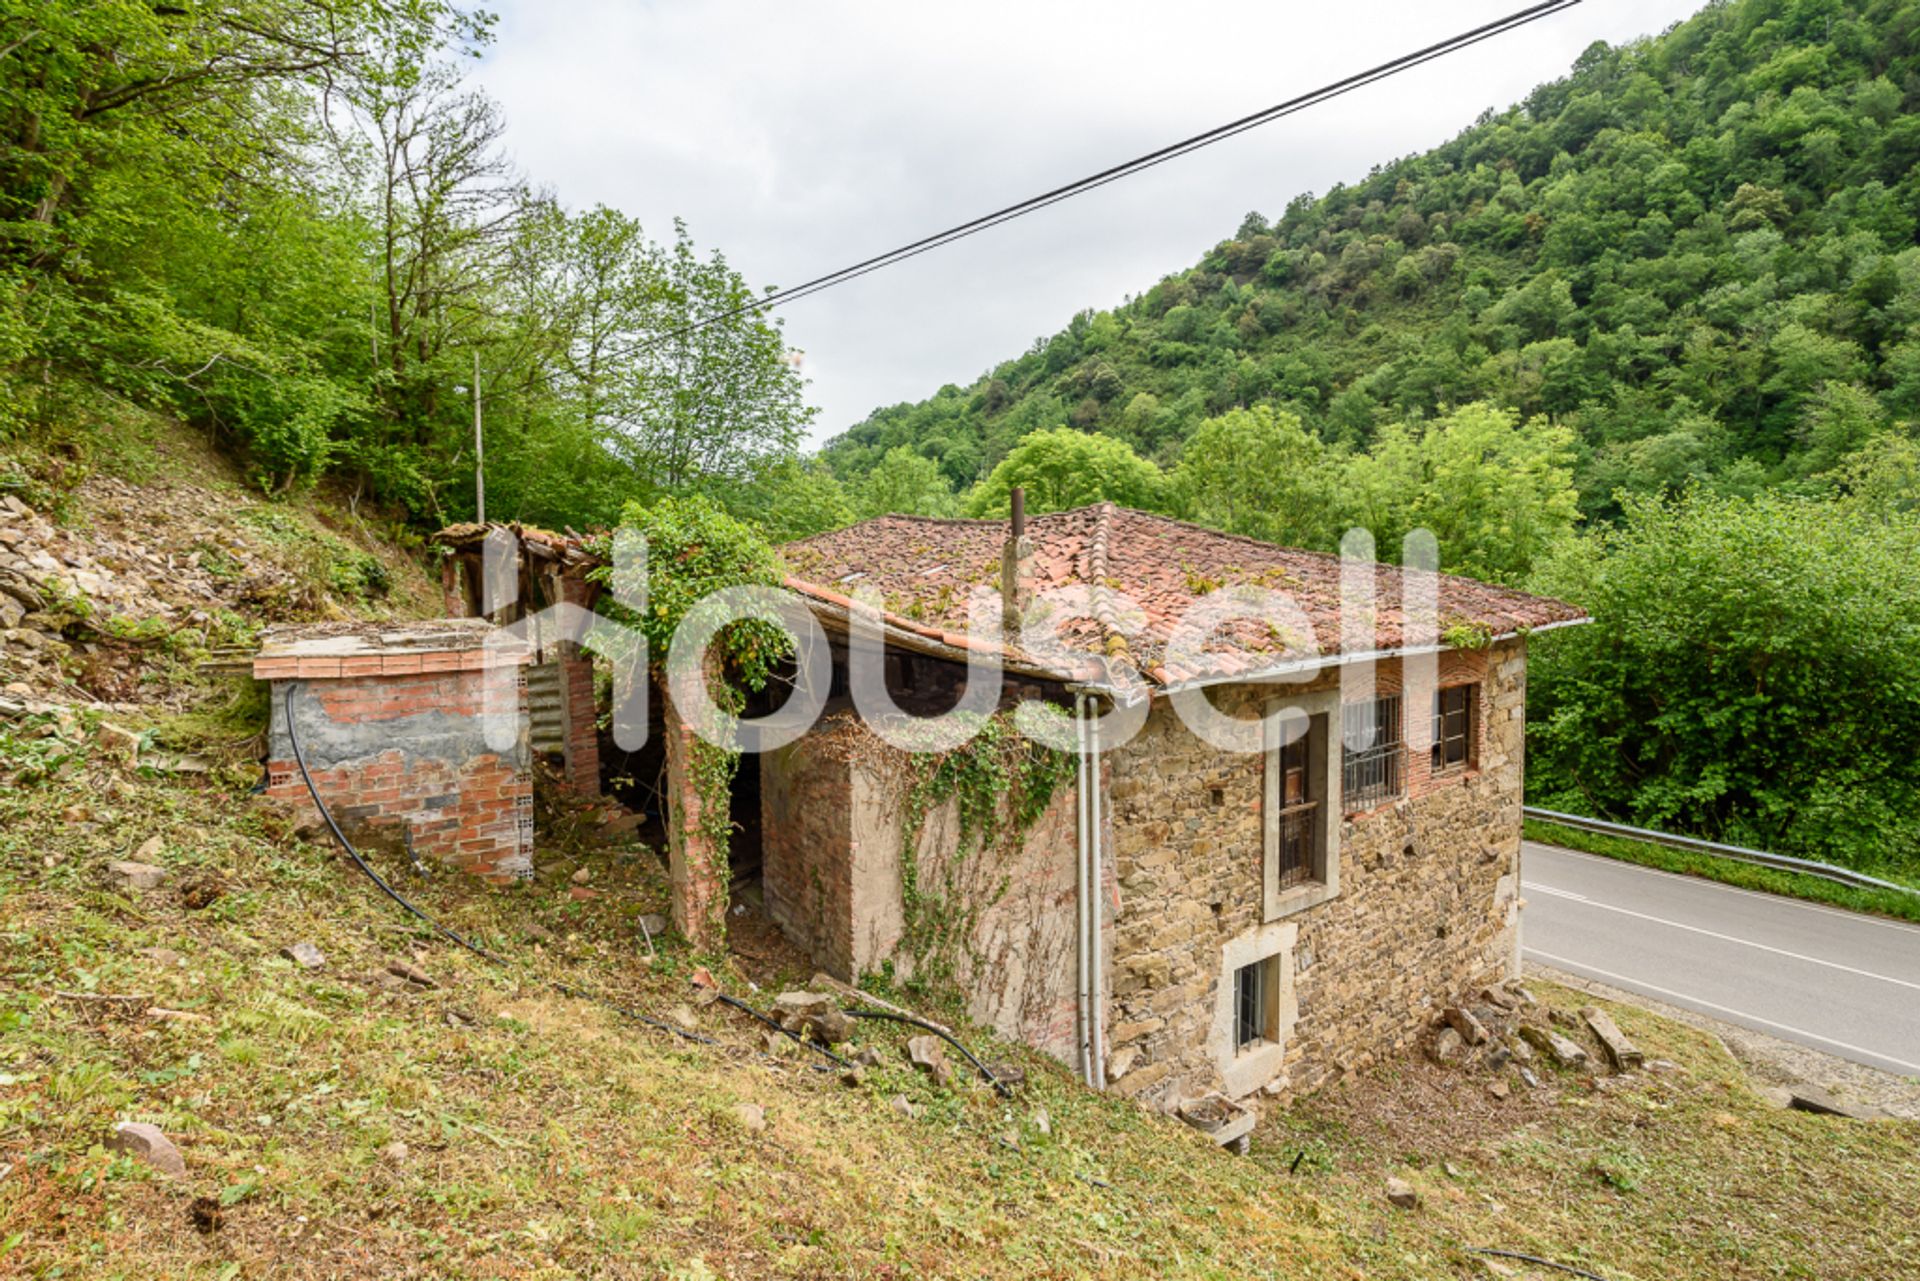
{"x":398,"y":749}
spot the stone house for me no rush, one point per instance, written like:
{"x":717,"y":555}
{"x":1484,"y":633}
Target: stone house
{"x":1292,"y":828}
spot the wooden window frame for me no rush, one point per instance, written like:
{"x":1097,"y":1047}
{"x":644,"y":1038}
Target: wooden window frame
{"x":1467,"y":736}
{"x":1293,"y":889}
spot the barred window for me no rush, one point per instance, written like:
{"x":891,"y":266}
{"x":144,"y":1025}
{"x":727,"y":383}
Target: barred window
{"x":1255,"y":988}
{"x":1373,"y":755}
{"x":1453,"y":714}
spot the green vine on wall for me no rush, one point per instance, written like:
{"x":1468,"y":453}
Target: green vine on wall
{"x":1001,"y":782}
{"x":694,"y":549}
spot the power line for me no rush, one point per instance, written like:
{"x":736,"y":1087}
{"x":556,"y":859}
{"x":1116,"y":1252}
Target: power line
{"x":1171,"y":151}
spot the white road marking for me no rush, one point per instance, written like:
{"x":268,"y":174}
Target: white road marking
{"x":1782,"y":900}
{"x":1557,"y":892}
{"x":1639,"y":985}
{"x":1728,"y":938}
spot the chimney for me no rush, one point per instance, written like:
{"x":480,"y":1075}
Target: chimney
{"x":1016,"y":564}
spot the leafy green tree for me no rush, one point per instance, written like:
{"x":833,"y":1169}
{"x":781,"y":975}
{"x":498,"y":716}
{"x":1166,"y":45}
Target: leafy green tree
{"x":1063,"y":468}
{"x":1749,"y":675}
{"x":1497,"y":491}
{"x":1260,"y":472}
{"x":903,"y":482}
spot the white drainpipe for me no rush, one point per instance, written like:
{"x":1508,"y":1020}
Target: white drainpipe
{"x":1083,"y":897}
{"x":1096,"y":911}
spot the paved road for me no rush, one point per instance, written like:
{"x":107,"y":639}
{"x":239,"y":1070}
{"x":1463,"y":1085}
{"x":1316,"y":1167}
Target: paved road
{"x":1837,"y":981}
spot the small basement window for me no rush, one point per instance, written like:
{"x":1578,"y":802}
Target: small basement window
{"x":1453,"y":715}
{"x":1373,"y":759}
{"x":1256,"y":993}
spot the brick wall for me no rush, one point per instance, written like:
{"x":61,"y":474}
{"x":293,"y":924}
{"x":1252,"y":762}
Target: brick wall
{"x":402,"y":756}
{"x":1426,"y":905}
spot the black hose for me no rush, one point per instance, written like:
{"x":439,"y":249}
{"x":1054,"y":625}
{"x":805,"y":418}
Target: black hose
{"x":788,"y":1032}
{"x":1528,"y":1258}
{"x":326,"y":815}
{"x":999,"y":1086}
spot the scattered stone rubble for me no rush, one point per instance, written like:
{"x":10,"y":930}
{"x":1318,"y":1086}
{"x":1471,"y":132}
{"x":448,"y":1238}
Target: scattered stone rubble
{"x":166,"y":556}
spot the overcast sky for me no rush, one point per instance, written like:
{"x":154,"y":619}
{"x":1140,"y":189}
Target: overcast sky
{"x":799,"y":138}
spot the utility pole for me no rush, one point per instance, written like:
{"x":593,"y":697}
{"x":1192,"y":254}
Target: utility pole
{"x":479,"y":449}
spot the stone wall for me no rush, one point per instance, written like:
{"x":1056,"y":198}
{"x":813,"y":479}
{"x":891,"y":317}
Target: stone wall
{"x":1426,"y":902}
{"x":832,"y":874}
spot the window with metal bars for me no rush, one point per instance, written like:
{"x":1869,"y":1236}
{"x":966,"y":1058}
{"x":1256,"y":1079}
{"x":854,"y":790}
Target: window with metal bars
{"x":1253,"y":990}
{"x":1373,"y":759}
{"x":1453,"y":711}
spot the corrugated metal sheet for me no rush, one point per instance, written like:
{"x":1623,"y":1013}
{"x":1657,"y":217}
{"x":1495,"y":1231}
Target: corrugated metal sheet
{"x":546,"y":707}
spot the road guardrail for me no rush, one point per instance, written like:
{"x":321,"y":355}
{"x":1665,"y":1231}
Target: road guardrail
{"x":1782,"y":862}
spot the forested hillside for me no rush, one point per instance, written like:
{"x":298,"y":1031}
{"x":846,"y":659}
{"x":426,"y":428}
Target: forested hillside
{"x":1696,"y":252}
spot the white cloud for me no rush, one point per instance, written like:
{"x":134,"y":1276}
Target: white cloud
{"x":801,"y":138}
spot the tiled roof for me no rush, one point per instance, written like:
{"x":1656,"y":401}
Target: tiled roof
{"x":924,"y":570}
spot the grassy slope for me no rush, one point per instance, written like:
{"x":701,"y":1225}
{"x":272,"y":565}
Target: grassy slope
{"x":551,"y":1138}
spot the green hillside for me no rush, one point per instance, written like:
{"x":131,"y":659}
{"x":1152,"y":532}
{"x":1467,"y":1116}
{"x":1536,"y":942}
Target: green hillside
{"x":1697,"y":251}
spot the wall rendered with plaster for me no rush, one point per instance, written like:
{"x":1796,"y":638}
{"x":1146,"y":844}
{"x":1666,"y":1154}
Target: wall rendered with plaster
{"x":405,"y":758}
{"x":832,"y":875}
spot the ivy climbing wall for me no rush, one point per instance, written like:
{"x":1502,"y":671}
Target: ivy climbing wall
{"x":956,"y":872}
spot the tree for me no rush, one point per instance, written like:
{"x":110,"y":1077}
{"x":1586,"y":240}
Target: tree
{"x":904,"y":482}
{"x":1496,"y":491}
{"x":1260,"y":472}
{"x":1063,"y":468}
{"x":1749,"y":676}
{"x":707,"y":387}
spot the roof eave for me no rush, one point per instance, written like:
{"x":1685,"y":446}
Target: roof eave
{"x":1320,"y":662}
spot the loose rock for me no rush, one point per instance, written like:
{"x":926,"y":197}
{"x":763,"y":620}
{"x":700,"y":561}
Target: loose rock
{"x":815,"y":1014}
{"x":583,"y":876}
{"x":138,"y":876}
{"x":304,"y":955}
{"x":929,"y":1054}
{"x":1807,"y":1098}
{"x":1471,"y":1029}
{"x":147,"y":1142}
{"x":752,"y":1116}
{"x":1621,"y":1052}
{"x":1555,"y":1046}
{"x":1448,"y":1049}
{"x":1500,"y":1091}
{"x":903,"y":1105}
{"x":395,"y":1153}
{"x":1042,"y":1121}
{"x":1401,"y":1194}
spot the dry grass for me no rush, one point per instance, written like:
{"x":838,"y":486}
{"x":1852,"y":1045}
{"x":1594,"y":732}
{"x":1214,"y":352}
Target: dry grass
{"x":547,"y":1137}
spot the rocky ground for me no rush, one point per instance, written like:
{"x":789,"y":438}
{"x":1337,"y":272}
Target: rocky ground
{"x":181,"y":557}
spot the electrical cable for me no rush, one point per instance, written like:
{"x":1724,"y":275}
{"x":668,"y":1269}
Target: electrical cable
{"x":1535,"y":1259}
{"x":788,"y":1032}
{"x":1000,"y":1087}
{"x":565,"y":989}
{"x":1114,"y":173}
